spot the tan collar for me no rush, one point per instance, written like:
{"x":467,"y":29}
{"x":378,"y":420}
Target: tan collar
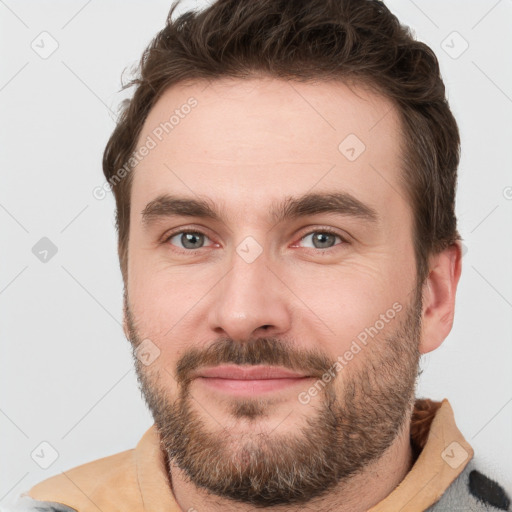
{"x":444,"y":454}
{"x":137,"y":479}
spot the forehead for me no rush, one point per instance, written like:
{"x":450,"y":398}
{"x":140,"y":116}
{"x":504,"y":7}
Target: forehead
{"x":247,"y":142}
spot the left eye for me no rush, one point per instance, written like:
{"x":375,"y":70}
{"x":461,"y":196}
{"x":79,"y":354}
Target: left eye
{"x":322,"y":239}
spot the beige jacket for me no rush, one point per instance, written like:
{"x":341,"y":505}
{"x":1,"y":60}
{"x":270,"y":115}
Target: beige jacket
{"x":136,"y":480}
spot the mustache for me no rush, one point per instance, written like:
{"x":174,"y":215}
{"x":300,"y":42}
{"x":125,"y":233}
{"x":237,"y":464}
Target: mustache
{"x":261,"y":351}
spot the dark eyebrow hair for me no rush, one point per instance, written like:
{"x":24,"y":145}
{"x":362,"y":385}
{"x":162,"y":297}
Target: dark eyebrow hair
{"x":341,"y":203}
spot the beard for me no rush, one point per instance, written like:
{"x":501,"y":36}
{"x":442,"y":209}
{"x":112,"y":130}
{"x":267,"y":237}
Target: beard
{"x":346,"y":431}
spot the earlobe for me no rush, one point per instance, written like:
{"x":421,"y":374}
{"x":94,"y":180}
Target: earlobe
{"x":439,"y":292}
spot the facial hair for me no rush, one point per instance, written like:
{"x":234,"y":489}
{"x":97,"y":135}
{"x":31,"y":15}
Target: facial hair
{"x":350,"y":428}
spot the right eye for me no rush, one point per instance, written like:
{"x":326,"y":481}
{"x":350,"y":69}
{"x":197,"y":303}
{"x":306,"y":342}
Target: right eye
{"x":187,"y":241}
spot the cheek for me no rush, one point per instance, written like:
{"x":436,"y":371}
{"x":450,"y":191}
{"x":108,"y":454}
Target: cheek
{"x":340,"y":305}
{"x":167,"y":296}
{"x":164,"y":304}
{"x":157,"y":292}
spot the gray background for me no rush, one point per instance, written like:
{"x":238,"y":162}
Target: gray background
{"x":66,"y":370}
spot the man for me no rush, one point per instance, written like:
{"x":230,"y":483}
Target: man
{"x":285,"y":186}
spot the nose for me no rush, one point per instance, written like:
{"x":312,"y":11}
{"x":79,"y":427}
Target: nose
{"x":250,"y":301}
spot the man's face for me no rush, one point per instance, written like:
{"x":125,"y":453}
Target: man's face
{"x":324,"y":288}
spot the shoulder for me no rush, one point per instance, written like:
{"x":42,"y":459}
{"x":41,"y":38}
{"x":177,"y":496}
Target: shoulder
{"x":77,"y":487}
{"x":28,"y":504}
{"x":473,"y":490}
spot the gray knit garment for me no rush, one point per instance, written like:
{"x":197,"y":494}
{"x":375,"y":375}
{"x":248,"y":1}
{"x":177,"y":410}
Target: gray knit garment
{"x":472,"y":491}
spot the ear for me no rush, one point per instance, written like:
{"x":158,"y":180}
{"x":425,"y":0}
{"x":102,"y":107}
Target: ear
{"x":439,"y":292}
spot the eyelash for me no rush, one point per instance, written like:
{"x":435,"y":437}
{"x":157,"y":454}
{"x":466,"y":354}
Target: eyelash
{"x":329,"y":231}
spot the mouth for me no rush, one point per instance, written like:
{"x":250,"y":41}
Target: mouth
{"x":249,"y":380}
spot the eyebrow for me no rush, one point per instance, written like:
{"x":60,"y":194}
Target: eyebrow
{"x":291,"y":208}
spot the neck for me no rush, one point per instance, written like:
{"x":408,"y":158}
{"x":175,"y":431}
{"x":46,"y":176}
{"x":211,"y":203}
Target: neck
{"x":358,"y":494}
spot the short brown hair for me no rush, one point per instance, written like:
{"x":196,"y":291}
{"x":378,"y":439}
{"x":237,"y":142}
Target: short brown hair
{"x":358,"y":41}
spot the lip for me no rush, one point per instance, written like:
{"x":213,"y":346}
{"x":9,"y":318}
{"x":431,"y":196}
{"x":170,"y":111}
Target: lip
{"x":257,"y":372}
{"x":249,"y":380}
